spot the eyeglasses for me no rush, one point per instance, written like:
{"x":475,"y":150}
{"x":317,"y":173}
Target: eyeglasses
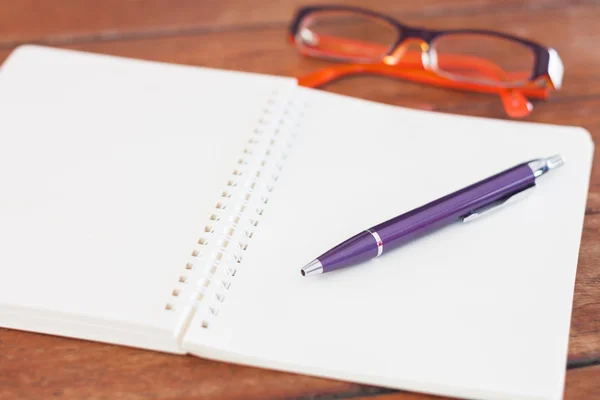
{"x":472,"y":60}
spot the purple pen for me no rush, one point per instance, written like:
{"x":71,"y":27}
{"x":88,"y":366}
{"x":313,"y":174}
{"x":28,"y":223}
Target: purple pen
{"x":463,"y":205}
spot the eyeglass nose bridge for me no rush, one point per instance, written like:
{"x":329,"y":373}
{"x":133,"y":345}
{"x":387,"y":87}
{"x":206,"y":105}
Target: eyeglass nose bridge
{"x":412,"y":37}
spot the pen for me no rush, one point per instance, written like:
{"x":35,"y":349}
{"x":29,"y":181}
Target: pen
{"x":463,"y":205}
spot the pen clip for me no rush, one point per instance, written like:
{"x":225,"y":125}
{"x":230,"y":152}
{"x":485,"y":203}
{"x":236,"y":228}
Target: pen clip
{"x":499,"y":204}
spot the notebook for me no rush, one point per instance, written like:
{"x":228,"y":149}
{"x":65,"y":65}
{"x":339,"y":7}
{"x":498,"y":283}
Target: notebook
{"x":171,"y":207}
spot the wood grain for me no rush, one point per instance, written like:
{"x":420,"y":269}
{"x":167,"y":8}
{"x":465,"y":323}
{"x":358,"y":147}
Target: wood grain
{"x":40,"y":366}
{"x":57,"y":367}
{"x":90,"y":20}
{"x":250,"y":36}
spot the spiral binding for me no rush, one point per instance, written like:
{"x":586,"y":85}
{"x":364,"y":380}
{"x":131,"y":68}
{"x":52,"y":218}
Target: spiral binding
{"x":238,"y":211}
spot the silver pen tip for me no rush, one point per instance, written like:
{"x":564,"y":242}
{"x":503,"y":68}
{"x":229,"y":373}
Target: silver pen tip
{"x":312,"y":268}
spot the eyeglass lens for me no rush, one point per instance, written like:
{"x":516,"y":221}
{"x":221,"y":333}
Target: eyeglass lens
{"x":347,"y":36}
{"x":483,"y":58}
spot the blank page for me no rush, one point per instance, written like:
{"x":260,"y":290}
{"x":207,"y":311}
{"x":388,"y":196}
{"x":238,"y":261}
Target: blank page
{"x":109,"y":170}
{"x":477,"y":310}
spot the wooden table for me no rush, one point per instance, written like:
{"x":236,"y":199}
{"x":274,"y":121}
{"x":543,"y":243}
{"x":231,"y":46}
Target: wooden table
{"x":250,"y":36}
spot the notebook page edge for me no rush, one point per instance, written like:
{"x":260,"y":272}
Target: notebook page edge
{"x":38,"y":48}
{"x":216,"y":349}
{"x":81,"y":327}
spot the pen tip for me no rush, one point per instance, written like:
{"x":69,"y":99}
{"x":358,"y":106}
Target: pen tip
{"x":312,"y":268}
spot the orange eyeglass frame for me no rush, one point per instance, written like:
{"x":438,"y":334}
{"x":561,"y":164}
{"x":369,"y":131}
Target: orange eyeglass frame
{"x":413,"y":66}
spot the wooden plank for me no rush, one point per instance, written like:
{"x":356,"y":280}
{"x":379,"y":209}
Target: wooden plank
{"x":583,"y":383}
{"x":69,"y":20}
{"x":584,"y":342}
{"x":41,"y":366}
{"x":78,"y":369}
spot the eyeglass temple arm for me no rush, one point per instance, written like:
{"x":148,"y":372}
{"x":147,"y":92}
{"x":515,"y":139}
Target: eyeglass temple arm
{"x":515,"y":103}
{"x":329,"y":74}
{"x":334,"y":72}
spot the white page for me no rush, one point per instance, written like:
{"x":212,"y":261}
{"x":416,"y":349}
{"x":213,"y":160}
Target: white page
{"x":480,"y":310}
{"x":109,"y":169}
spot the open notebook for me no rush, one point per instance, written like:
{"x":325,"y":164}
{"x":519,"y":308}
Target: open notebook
{"x":170,"y":208}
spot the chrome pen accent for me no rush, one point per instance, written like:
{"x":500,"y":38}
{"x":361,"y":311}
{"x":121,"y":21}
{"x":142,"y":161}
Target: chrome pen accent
{"x":541,"y":166}
{"x":379,"y":242}
{"x":464,"y":205}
